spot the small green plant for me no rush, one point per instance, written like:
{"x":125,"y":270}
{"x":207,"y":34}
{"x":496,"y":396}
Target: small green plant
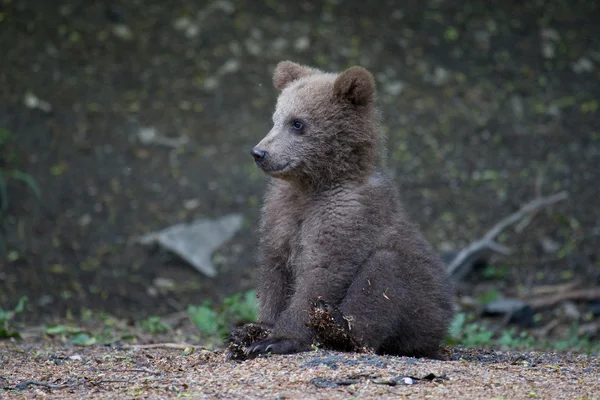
{"x":204,"y":317}
{"x":511,"y":339}
{"x":242,"y":307}
{"x":82,"y":337}
{"x":154,"y":325}
{"x":9,"y":172}
{"x":495,"y":271}
{"x":7,"y":316}
{"x":468,"y":333}
{"x":216,"y":321}
{"x":490,"y":296}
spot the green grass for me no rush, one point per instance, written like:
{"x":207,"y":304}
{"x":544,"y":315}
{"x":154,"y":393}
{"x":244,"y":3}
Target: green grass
{"x":154,"y":325}
{"x":467,"y":331}
{"x":216,"y":321}
{"x":6,"y":316}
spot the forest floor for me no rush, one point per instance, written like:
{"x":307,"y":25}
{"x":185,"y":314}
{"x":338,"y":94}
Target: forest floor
{"x":146,"y":372}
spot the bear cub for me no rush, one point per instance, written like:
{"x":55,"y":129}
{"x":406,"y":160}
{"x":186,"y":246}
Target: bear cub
{"x":333,"y":235}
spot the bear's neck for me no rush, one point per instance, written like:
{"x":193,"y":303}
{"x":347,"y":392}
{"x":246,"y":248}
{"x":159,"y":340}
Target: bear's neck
{"x":332,"y":179}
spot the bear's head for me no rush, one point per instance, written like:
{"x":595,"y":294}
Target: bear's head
{"x":325,"y":126}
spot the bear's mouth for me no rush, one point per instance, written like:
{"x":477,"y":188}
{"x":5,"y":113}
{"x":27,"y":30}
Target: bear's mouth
{"x":276,"y":170}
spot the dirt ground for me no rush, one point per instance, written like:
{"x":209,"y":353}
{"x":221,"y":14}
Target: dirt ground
{"x":38,"y":371}
{"x":486,"y":106}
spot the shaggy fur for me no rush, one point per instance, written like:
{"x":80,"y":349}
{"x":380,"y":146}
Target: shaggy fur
{"x":332,"y":227}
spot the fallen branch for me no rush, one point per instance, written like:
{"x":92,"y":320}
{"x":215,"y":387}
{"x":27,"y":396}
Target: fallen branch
{"x":177,"y":346}
{"x":468,"y":255}
{"x":573,"y":295}
{"x":115,"y":380}
{"x":145,"y":370}
{"x":540,"y":291}
{"x":23,"y":385}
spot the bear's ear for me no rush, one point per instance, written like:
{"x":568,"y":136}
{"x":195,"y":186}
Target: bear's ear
{"x":355,"y":84}
{"x":286,"y":72}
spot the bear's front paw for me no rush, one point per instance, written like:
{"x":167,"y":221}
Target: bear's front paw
{"x":244,"y":336}
{"x":276,"y":345}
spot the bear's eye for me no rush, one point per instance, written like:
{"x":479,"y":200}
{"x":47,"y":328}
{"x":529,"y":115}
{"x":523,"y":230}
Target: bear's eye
{"x":297,"y":125}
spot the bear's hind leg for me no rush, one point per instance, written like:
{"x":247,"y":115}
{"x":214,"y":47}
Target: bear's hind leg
{"x":389,"y":308}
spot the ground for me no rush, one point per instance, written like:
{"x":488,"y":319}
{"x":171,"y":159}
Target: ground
{"x":42,"y":371}
{"x":486,"y":105}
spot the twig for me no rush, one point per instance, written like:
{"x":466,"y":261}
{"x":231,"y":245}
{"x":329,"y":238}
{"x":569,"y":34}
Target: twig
{"x":146,"y":370}
{"x":539,"y":291}
{"x":487,"y":243}
{"x":578,"y":294}
{"x":101,"y":381}
{"x":178,"y":346}
{"x":23,"y":385}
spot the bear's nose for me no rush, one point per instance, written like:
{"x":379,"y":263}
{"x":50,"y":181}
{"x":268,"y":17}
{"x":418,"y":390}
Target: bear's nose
{"x":258,"y":154}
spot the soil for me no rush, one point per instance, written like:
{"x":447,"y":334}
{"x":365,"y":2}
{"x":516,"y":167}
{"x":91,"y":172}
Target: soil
{"x":43,"y":371}
{"x":486,"y":105}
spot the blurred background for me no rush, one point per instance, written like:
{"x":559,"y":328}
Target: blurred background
{"x":120,"y":118}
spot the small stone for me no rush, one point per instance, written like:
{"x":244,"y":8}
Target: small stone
{"x":408,"y":380}
{"x":226,"y":6}
{"x":516,"y":102}
{"x":549,"y":245}
{"x":253,"y":47}
{"x":191,"y":204}
{"x":147,"y":135}
{"x":553,"y":110}
{"x":582,"y":65}
{"x":32,"y":101}
{"x":549,"y":34}
{"x":85,"y":220}
{"x":394,"y":88}
{"x":75,"y":357}
{"x":211,"y":83}
{"x":571,"y":311}
{"x":182,"y":23}
{"x":504,"y":306}
{"x":229,"y":67}
{"x":440,"y":77}
{"x":302,"y":43}
{"x":548,"y":50}
{"x":165,"y":284}
{"x":122,"y":31}
{"x":192,"y":31}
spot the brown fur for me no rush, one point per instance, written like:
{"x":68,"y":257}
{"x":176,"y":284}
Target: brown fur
{"x":332,"y":227}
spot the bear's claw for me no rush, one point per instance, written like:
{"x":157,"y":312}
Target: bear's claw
{"x":275,"y":346}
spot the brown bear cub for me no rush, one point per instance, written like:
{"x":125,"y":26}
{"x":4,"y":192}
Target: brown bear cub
{"x":335,"y":243}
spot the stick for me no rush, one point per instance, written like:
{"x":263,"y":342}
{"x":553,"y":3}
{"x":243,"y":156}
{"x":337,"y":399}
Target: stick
{"x":578,"y":294}
{"x":23,"y":385}
{"x":146,"y":370}
{"x":487,"y":243}
{"x":178,"y":346}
